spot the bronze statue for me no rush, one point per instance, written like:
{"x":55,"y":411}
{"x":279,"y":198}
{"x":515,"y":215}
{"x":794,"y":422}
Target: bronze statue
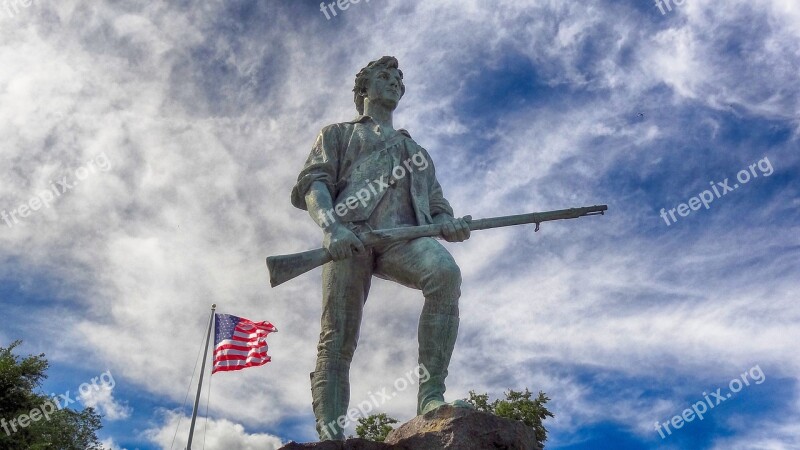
{"x":374,"y":193}
{"x":363,"y":175}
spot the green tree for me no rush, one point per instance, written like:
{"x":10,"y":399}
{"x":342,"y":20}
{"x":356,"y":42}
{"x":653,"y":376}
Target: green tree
{"x":517,"y":406}
{"x":375,"y":427}
{"x":62,"y":429}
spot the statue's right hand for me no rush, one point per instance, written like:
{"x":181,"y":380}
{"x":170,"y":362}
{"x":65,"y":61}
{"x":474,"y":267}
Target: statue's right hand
{"x":341,"y":242}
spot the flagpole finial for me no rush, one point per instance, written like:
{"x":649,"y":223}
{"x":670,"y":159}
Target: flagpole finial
{"x":213,"y":306}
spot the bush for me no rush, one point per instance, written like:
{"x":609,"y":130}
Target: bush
{"x":517,"y":406}
{"x":375,"y":427}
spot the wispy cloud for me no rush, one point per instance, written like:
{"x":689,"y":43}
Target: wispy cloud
{"x":207,"y":114}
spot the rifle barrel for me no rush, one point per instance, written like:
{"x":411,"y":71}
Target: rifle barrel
{"x":537,"y":217}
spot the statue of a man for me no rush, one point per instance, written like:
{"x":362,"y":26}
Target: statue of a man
{"x":361,"y":175}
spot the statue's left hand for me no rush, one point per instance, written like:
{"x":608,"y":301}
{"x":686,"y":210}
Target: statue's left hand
{"x":455,"y":230}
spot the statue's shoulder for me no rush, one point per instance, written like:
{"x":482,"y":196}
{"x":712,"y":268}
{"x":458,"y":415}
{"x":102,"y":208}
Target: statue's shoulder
{"x":341,"y":127}
{"x":410,"y":141}
{"x":333,"y":128}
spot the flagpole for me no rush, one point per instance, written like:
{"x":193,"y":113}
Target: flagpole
{"x":200,"y":383}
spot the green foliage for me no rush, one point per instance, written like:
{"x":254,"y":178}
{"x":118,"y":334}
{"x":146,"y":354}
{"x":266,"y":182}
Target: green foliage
{"x":481,"y":402}
{"x":63,"y":429}
{"x":517,"y":406}
{"x":374,"y":427}
{"x":18,"y":378}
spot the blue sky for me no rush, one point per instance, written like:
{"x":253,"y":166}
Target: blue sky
{"x":181,"y":127}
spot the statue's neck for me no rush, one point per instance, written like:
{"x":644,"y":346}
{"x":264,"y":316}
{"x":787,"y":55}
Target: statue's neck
{"x":380,"y":114}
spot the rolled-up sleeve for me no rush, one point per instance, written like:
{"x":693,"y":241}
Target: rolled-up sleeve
{"x":322,"y":165}
{"x":436,"y":201}
{"x":439,"y":204}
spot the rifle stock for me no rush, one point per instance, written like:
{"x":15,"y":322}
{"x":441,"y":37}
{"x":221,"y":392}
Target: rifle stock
{"x":283,"y":268}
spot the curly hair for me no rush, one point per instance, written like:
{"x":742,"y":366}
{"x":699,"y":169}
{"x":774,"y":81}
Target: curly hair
{"x":362,"y":79}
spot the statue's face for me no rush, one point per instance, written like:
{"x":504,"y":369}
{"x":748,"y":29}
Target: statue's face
{"x":384,"y":87}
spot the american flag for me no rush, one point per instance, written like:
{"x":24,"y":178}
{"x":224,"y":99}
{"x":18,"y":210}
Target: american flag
{"x":239,"y":343}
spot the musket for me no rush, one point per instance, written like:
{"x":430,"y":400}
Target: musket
{"x":283,"y":268}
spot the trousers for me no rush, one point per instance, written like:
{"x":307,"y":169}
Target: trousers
{"x":422,"y":264}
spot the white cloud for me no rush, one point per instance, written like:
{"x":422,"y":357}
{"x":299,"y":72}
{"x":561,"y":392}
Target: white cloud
{"x":197,"y":196}
{"x":109,"y":444}
{"x":219,"y":434}
{"x":766,"y":436}
{"x":101,"y":398}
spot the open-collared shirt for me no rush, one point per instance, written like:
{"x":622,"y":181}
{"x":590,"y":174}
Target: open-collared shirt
{"x":346,"y":157}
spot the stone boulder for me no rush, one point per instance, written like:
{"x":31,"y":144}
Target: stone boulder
{"x":350,"y":444}
{"x":446,"y":427}
{"x":453,"y":428}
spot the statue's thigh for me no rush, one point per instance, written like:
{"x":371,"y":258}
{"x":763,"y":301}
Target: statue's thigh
{"x":415,"y":263}
{"x":345,"y":285}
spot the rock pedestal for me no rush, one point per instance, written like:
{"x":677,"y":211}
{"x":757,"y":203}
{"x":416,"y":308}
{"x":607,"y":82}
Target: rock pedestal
{"x":444,"y":428}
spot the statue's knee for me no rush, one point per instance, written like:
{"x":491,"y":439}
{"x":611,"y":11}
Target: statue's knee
{"x":444,"y":284}
{"x":343,"y":356}
{"x":336,"y":346}
{"x":449,"y":273}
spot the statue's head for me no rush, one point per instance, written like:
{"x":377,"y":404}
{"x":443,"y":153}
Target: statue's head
{"x":364,"y":75}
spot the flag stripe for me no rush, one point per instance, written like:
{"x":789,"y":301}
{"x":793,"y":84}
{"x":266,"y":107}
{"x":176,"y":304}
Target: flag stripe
{"x":227,"y":369}
{"x":234,"y":351}
{"x":228,"y":356}
{"x":235,"y":346}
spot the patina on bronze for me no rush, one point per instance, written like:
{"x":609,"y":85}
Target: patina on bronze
{"x":364,"y":180}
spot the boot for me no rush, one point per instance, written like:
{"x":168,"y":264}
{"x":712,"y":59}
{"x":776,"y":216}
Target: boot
{"x":437,"y":337}
{"x":330,"y":393}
